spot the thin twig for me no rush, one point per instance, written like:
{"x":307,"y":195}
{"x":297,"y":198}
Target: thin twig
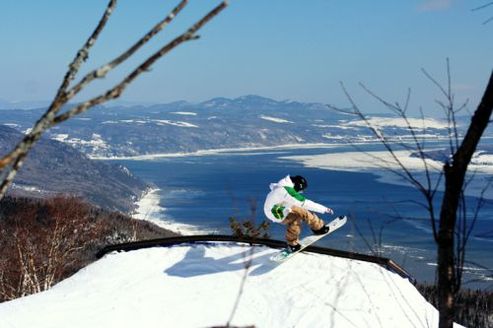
{"x":406,"y":173}
{"x":483,"y":6}
{"x":248,"y":264}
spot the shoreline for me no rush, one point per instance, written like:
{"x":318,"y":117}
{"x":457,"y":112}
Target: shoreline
{"x":148,"y":208}
{"x":215,"y":151}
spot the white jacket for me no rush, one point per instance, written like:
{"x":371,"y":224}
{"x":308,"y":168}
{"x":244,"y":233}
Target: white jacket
{"x":282,"y":197}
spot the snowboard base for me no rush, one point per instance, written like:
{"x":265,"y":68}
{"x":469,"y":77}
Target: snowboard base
{"x":286,"y":253}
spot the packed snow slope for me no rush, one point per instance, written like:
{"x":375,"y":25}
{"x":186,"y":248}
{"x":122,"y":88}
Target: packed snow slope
{"x":198,"y":285}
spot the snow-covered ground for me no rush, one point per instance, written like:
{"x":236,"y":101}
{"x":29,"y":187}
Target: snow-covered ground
{"x":175,"y":123}
{"x":149,"y":208}
{"x":397,"y":122}
{"x":198,"y":286}
{"x":96,"y":145}
{"x":158,"y":122}
{"x":185,"y":113}
{"x":274,"y":119}
{"x":381,"y":163}
{"x":369,"y":161}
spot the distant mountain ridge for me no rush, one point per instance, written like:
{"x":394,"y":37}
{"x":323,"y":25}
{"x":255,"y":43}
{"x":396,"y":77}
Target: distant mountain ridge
{"x":243,"y":122}
{"x":5,"y":104}
{"x":53,"y":167}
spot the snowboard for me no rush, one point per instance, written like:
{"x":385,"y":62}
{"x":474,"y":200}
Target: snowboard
{"x":285,"y":253}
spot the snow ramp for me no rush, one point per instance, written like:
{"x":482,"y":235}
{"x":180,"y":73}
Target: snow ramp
{"x":164,"y":242}
{"x":204,"y":283}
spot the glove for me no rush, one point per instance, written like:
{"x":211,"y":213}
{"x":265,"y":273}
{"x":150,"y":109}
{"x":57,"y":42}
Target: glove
{"x":329,"y":211}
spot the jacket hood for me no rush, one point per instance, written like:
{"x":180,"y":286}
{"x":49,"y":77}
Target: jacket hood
{"x":284,"y":182}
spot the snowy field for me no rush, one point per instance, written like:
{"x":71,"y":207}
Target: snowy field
{"x":199,"y":285}
{"x":381,"y":164}
{"x":398,"y":122}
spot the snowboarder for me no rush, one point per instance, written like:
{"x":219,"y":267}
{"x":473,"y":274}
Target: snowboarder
{"x":285,"y":204}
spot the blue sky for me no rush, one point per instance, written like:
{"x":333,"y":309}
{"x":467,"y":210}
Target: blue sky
{"x":283,"y":49}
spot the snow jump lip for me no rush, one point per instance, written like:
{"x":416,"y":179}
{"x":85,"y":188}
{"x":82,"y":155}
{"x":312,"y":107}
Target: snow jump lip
{"x":170,"y":241}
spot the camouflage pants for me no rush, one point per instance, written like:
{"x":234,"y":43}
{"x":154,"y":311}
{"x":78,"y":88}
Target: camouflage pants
{"x":293,"y":223}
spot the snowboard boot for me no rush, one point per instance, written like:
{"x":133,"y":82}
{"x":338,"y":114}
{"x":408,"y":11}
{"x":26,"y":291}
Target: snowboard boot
{"x":294,"y":248}
{"x":322,"y":230}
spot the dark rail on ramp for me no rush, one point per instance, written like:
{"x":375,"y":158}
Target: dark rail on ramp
{"x":165,"y":242}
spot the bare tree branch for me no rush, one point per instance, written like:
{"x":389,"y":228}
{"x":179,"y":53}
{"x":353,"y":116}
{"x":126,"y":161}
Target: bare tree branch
{"x":428,"y":190}
{"x":401,"y":112}
{"x":453,"y":230}
{"x":448,"y":107}
{"x":479,"y":205}
{"x":12,"y":162}
{"x":455,"y":172}
{"x":83,"y":54}
{"x":483,"y":7}
{"x":103,"y":70}
{"x":248,"y":263}
{"x":39,"y":127}
{"x":116,"y":91}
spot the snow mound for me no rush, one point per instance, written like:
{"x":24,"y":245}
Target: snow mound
{"x":197,"y":285}
{"x":398,"y":122}
{"x":274,"y":119}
